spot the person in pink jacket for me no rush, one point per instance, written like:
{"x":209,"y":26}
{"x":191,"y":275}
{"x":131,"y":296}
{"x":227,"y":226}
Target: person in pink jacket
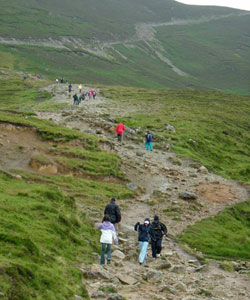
{"x":119,"y":130}
{"x":107,"y":237}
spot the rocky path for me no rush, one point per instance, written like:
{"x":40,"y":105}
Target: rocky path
{"x":163,"y":179}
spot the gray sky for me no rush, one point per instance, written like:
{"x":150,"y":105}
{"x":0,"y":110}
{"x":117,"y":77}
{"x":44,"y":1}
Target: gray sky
{"x":241,"y":4}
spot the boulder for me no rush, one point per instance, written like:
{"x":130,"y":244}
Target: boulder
{"x":168,"y":289}
{"x":178,"y":269}
{"x":164,"y":266}
{"x":203,"y":170}
{"x":98,"y":294}
{"x":188,"y":196}
{"x":126,"y":279}
{"x":132,"y":186}
{"x":171,"y":128}
{"x":118,"y":254}
{"x":179,"y":286}
{"x":139,"y":153}
{"x":153,"y":276}
{"x":97,"y":271}
{"x":114,"y":297}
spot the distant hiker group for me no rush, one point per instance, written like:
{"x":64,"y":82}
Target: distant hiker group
{"x":83,"y":95}
{"x":147,"y":232}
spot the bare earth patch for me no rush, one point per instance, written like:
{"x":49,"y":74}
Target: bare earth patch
{"x":217,"y":193}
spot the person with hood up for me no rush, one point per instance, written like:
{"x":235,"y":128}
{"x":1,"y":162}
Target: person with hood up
{"x":107,"y":237}
{"x":119,"y":130}
{"x":145,"y":232}
{"x":160,"y":231}
{"x":114,"y":213}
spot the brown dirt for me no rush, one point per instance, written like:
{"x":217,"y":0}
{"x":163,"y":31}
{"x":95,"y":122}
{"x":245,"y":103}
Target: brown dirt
{"x":217,"y":193}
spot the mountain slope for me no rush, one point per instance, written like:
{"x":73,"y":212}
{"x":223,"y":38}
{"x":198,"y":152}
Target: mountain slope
{"x":146,"y":43}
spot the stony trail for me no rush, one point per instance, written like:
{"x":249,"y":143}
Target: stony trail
{"x":160,"y":178}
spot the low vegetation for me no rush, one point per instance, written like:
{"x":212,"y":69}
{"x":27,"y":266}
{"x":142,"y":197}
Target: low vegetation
{"x":46,"y":232}
{"x":209,"y":127}
{"x":225,"y":236}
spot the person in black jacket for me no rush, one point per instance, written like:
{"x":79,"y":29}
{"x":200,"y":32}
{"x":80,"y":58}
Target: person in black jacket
{"x":160,"y":230}
{"x":114,"y":213}
{"x":145,"y":232}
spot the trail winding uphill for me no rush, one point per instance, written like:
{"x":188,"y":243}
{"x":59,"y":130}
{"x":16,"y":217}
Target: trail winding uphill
{"x":177,"y":275}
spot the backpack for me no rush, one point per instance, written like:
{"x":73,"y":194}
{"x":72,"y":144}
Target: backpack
{"x":149,"y":137}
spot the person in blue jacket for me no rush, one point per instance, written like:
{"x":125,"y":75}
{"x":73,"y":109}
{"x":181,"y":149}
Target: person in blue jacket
{"x":149,"y":141}
{"x":145,"y":233}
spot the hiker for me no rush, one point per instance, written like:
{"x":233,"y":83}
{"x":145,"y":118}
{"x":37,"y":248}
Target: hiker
{"x":145,"y":232}
{"x":89,"y":94}
{"x":82,"y":96}
{"x":160,"y":231}
{"x":108,"y":234}
{"x":119,"y":130}
{"x":70,"y":88}
{"x":94,"y":95}
{"x":149,"y":141}
{"x":62,"y":79}
{"x":75,"y":97}
{"x":57,"y":80}
{"x":114,"y":213}
{"x":80,"y":88}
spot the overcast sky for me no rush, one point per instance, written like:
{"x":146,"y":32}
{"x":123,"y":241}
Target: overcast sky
{"x":241,"y":4}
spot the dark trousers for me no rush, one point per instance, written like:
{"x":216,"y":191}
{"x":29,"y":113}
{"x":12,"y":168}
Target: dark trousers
{"x":156,"y":247}
{"x":119,"y":137}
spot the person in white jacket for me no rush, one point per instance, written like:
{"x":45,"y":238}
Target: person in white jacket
{"x":107,"y":237}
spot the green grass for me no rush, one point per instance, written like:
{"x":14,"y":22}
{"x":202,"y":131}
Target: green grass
{"x":211,"y":127}
{"x":45,"y":227}
{"x":96,"y":163}
{"x":43,"y":238}
{"x":225,"y":236}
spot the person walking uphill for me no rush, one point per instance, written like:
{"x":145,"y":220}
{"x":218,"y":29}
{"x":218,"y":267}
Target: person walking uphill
{"x":114,"y":213}
{"x":107,"y":237}
{"x":149,"y":141}
{"x":160,"y":230}
{"x":119,"y":130}
{"x":145,"y":232}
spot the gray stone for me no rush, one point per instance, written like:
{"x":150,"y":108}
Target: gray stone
{"x":127,"y":279}
{"x":178,"y":269}
{"x":118,"y":254}
{"x":188,"y":196}
{"x":168,"y":289}
{"x":169,"y":127}
{"x":203,"y":170}
{"x":154,"y":276}
{"x":97,"y":271}
{"x":164,"y":266}
{"x":98,"y":294}
{"x":114,"y":297}
{"x":139,"y":153}
{"x":189,"y":298}
{"x":180,"y":287}
{"x":132,"y":186}
{"x":1,"y":294}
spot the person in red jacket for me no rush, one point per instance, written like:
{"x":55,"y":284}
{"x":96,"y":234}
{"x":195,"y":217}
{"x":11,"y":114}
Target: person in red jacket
{"x":119,"y":130}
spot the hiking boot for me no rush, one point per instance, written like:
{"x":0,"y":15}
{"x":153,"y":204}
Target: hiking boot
{"x":158,"y":255}
{"x":108,"y":261}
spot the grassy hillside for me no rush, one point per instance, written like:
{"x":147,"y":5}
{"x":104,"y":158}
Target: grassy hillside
{"x":92,"y":19}
{"x":45,"y":232}
{"x":113,"y":42}
{"x":211,"y":127}
{"x":218,"y":60}
{"x":225,"y":236}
